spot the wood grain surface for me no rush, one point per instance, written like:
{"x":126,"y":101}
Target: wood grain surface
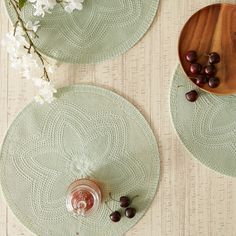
{"x":212,"y":29}
{"x":191,"y":200}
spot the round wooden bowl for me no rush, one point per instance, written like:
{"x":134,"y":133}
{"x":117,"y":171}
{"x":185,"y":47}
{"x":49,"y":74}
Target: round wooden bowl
{"x":212,"y":29}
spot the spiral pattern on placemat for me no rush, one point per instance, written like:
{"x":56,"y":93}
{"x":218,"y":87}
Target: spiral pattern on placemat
{"x":207,"y":127}
{"x":87,"y":131}
{"x":102,"y":30}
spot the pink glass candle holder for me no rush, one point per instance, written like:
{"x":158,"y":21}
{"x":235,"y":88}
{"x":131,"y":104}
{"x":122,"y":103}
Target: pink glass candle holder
{"x":83,"y":197}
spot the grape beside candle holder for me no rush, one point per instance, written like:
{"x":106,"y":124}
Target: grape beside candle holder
{"x":83,"y":197}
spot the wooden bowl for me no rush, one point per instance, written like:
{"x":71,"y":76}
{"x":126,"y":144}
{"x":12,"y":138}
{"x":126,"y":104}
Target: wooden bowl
{"x":212,"y":29}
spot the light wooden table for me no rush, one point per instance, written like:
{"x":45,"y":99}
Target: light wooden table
{"x":191,"y":199}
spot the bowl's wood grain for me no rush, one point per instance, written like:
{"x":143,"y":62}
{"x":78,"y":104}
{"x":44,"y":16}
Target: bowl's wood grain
{"x":213,"y":29}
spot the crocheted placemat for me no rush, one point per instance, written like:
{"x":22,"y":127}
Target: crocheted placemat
{"x":86,"y":131}
{"x":207,"y":127}
{"x":102,"y":30}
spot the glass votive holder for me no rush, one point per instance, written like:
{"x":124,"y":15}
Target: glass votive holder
{"x":83,"y":197}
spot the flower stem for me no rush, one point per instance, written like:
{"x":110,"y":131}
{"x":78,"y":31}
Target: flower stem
{"x":15,"y":26}
{"x":22,"y":24}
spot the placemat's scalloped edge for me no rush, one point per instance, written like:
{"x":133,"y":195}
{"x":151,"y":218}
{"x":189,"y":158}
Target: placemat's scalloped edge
{"x":135,"y":112}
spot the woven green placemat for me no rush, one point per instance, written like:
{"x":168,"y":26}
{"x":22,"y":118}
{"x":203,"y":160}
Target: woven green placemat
{"x":207,"y":127}
{"x":102,"y":30}
{"x":87,"y":131}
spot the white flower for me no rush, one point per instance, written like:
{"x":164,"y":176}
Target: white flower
{"x":33,"y":26}
{"x":72,"y":5}
{"x":20,"y":36}
{"x":52,"y":67}
{"x":39,"y":11}
{"x":26,"y":74}
{"x":43,"y":6}
{"x":29,"y":63}
{"x":38,"y":82}
{"x":46,"y":91}
{"x":14,"y":44}
{"x":16,"y":63}
{"x":39,"y":99}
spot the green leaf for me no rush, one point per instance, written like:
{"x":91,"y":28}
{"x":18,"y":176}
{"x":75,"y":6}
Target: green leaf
{"x":21,"y":3}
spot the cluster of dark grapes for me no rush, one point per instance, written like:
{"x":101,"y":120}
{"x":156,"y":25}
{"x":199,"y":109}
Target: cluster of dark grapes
{"x":202,"y":75}
{"x":125,"y":202}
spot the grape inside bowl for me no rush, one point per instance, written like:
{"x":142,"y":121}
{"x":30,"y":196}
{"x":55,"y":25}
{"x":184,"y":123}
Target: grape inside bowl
{"x":207,"y":48}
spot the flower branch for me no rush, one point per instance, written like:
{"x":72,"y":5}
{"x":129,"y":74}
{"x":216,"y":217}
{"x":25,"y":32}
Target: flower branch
{"x":24,"y":54}
{"x":31,"y":44}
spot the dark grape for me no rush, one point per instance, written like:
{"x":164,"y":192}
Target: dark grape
{"x":115,"y":216}
{"x":124,"y":201}
{"x":214,"y":58}
{"x":213,"y":82}
{"x":191,"y":56}
{"x":193,"y":79}
{"x":210,"y":70}
{"x":192,"y":96}
{"x":195,"y":68}
{"x":130,"y":212}
{"x":200,"y":80}
{"x":202,"y":71}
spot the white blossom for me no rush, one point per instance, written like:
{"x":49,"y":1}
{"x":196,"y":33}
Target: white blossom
{"x":46,"y":91}
{"x":43,"y":6}
{"x":52,"y":67}
{"x":38,"y":82}
{"x":27,"y":62}
{"x":33,"y":26}
{"x":20,"y":36}
{"x":71,"y":5}
{"x":39,"y":99}
{"x":14,"y":44}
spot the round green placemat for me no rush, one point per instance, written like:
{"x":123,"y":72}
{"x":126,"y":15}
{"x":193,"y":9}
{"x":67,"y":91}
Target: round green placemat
{"x":207,"y":127}
{"x":102,"y":30}
{"x":87,"y":131}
